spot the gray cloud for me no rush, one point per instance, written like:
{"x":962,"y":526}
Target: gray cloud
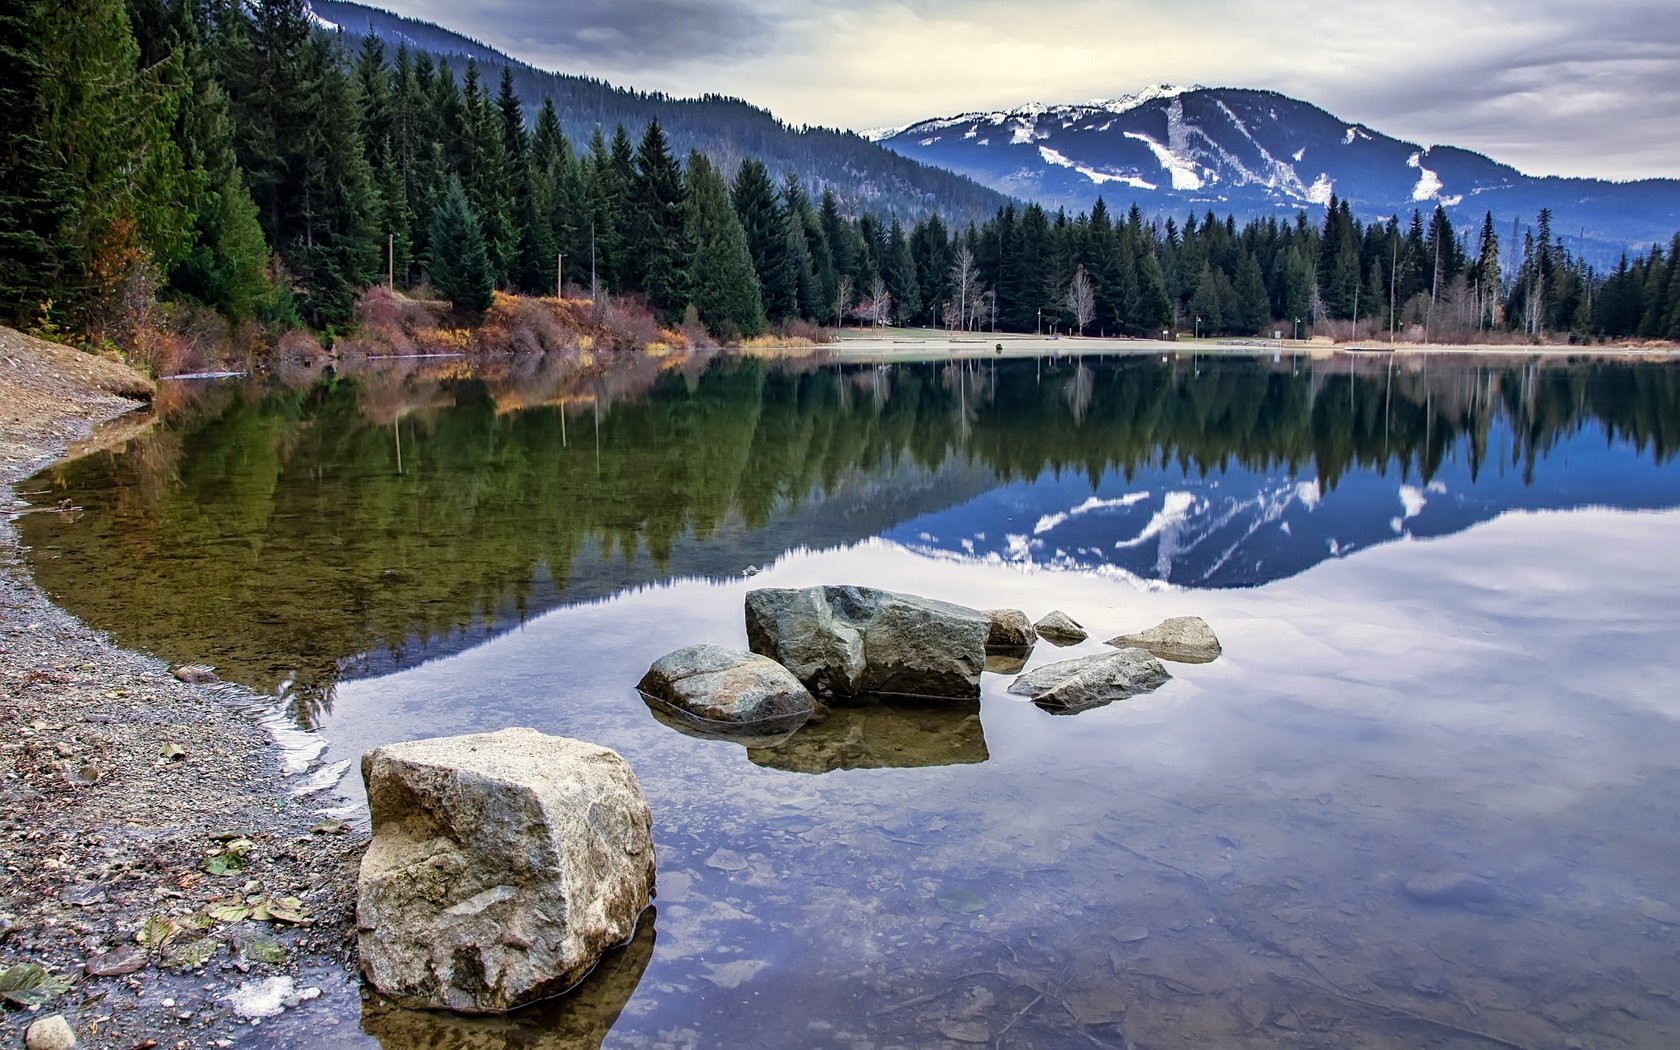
{"x":624,"y":35}
{"x":1551,"y":86}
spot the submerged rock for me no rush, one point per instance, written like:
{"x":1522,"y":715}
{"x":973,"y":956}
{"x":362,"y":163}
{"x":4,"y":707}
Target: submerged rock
{"x":876,"y":734}
{"x":502,"y":866}
{"x":726,"y":685}
{"x":1058,"y":628}
{"x":1007,"y":661}
{"x":1010,"y":629}
{"x":1449,"y":887}
{"x":196,"y":674}
{"x":1185,"y":639}
{"x":1091,"y":681}
{"x":848,"y":641}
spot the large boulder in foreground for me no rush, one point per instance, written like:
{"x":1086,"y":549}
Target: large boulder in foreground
{"x":720,"y":684}
{"x":502,"y":866}
{"x":1010,"y":629}
{"x":848,"y":641}
{"x":1058,"y":628}
{"x":1091,"y":681}
{"x":1185,"y":639}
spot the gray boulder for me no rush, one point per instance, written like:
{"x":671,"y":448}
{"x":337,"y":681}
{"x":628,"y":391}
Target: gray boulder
{"x":1058,"y":628}
{"x":726,"y":685}
{"x":849,"y":641}
{"x":1091,"y":681}
{"x":502,"y":866}
{"x":1010,"y":629}
{"x":1186,"y":639}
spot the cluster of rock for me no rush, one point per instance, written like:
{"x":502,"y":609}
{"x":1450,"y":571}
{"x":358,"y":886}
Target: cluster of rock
{"x":503,"y":865}
{"x":837,"y":643}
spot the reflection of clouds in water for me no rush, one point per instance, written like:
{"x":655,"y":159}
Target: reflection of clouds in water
{"x":1433,"y":705}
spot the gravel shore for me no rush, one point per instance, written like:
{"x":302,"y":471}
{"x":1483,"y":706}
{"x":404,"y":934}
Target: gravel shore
{"x":154,"y":858}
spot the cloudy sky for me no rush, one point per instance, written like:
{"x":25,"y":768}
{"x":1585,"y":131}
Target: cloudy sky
{"x":1567,"y":87}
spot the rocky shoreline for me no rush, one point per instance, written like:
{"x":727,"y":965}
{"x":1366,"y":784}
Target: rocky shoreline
{"x":154,"y":861}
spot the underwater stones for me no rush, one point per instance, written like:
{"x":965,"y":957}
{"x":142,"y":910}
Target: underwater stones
{"x":1091,"y":681}
{"x":1010,"y":629}
{"x":848,"y":641}
{"x":196,"y":674}
{"x":1449,"y":887}
{"x":720,"y":684}
{"x":502,"y":866}
{"x":1058,"y":628}
{"x":1185,"y":639}
{"x":49,"y":1033}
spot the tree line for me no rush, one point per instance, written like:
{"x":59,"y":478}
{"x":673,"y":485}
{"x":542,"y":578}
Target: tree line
{"x":237,"y":156}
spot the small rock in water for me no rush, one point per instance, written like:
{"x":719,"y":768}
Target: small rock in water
{"x":1431,"y":984}
{"x":721,"y":684}
{"x":1091,"y":681}
{"x":1449,"y":887}
{"x":49,"y":1033}
{"x":1660,"y":911}
{"x":261,"y":998}
{"x":726,"y":860}
{"x":1058,"y":628}
{"x":1010,"y":629}
{"x":1131,"y":934}
{"x":1185,"y":639}
{"x":196,"y":674}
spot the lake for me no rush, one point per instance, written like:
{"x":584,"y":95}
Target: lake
{"x":1445,"y":588}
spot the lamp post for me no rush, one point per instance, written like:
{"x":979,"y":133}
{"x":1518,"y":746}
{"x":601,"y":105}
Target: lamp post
{"x":1039,"y":327}
{"x":1198,"y":328}
{"x":559,"y":274}
{"x":1297,"y":328}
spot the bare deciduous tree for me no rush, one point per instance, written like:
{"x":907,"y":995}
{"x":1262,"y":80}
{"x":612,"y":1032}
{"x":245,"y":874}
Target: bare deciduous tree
{"x":880,"y":302}
{"x":842,"y":299}
{"x":1081,"y":299}
{"x":965,"y":287}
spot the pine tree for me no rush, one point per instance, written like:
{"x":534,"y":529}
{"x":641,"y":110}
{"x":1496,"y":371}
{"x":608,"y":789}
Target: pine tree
{"x":899,"y":271}
{"x":1254,"y":306}
{"x":725,"y":289}
{"x":766,"y":230}
{"x":37,"y":203}
{"x":460,"y":263}
{"x":657,"y":241}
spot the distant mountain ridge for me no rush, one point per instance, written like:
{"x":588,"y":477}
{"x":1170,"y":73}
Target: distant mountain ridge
{"x":1252,"y":153}
{"x":860,"y":172}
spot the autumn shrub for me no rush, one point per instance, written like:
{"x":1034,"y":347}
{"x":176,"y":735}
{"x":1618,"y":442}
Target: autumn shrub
{"x":626,"y":324}
{"x":526,"y":325}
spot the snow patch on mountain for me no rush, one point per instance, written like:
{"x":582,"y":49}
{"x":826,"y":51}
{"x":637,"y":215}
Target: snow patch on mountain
{"x":1428,"y":184}
{"x":1322,"y":189}
{"x":1183,"y":172}
{"x":1051,"y":156}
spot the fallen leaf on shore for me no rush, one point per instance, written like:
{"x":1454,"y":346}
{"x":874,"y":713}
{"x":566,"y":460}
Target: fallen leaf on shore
{"x":286,"y":909}
{"x":172,"y":752}
{"x":271,"y":953}
{"x":27,"y":984}
{"x":228,"y":912}
{"x":156,"y":931}
{"x":191,"y":955}
{"x":116,"y":962}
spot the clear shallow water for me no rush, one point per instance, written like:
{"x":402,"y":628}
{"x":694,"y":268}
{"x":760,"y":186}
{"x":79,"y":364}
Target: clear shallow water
{"x":1459,"y":657}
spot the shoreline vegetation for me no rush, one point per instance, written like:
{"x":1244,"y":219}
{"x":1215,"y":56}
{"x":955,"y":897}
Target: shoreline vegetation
{"x":231,"y":181}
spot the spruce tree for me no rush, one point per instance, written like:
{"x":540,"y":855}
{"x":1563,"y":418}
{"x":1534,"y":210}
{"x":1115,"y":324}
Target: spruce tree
{"x":461,"y":269}
{"x":657,"y":243}
{"x":37,"y":203}
{"x":725,"y":289}
{"x":766,"y":230}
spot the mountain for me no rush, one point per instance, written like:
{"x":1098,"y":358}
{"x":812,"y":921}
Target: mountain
{"x":1173,"y":150}
{"x":861,"y":173}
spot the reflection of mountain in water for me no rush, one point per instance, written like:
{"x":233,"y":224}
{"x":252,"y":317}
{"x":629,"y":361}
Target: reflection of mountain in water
{"x":290,"y":535}
{"x":1243,"y":528}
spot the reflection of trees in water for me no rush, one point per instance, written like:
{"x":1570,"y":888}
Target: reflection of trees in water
{"x":269,"y":531}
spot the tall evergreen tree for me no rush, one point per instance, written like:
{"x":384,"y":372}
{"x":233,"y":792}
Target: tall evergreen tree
{"x":37,"y":202}
{"x":724,"y":286}
{"x":766,"y":230}
{"x":461,"y":267}
{"x":657,"y":242}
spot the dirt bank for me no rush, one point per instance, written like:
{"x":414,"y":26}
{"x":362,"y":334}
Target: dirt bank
{"x":153,"y":855}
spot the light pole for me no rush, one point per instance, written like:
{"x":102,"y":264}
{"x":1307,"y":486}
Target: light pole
{"x":559,"y":274}
{"x":1038,"y":329}
{"x":1198,"y":328}
{"x":1297,"y":329}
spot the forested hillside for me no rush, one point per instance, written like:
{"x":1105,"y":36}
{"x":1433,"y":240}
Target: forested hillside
{"x":862,"y":174}
{"x":173,"y":161}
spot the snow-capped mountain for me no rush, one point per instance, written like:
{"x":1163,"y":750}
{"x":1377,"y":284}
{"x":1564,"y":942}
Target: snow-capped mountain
{"x":1176,"y":149}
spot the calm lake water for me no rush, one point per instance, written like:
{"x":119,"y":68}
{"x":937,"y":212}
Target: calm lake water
{"x":1446,"y":590}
